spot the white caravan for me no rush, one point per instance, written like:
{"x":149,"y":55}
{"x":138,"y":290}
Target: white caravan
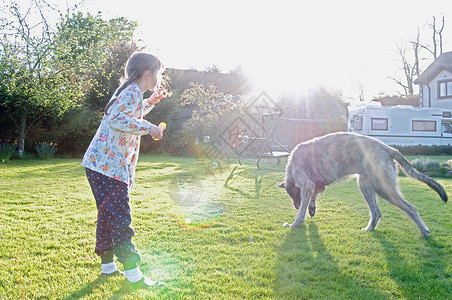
{"x":402,"y":125}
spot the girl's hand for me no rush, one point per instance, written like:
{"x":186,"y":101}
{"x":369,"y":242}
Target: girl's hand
{"x":162,"y":126}
{"x":156,"y":132}
{"x":158,"y":95}
{"x":154,"y":99}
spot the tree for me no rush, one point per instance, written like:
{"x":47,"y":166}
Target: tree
{"x":209,"y":107}
{"x":32,"y":87}
{"x":95,"y":51}
{"x":213,"y":69}
{"x":411,"y":63}
{"x":437,"y":38}
{"x":106,"y":79}
{"x":46,"y":72}
{"x":84,"y":43}
{"x":234,"y":83}
{"x":410,"y":69}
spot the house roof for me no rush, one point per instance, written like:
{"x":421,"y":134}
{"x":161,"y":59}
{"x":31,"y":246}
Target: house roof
{"x":443,"y":62}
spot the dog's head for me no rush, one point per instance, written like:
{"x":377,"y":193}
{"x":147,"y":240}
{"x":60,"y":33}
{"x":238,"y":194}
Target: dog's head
{"x":293,"y":192}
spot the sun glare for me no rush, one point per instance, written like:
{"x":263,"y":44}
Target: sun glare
{"x":293,"y":76}
{"x":284,"y":47}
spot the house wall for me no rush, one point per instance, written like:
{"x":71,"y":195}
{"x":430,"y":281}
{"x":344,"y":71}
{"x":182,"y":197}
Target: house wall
{"x":430,"y":91}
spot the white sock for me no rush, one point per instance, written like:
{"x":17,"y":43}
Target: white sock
{"x":109,"y":268}
{"x":133,"y":275}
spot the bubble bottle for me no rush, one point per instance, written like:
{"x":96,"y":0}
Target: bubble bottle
{"x":162,"y":126}
{"x":163,"y":93}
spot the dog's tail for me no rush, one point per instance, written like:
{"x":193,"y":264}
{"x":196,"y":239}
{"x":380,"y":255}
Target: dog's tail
{"x":411,"y":172}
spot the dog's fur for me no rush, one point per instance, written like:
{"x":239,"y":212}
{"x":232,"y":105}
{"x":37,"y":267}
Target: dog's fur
{"x":314,"y":164}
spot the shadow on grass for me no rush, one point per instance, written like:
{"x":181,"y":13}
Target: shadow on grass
{"x":91,"y":287}
{"x":237,"y":177}
{"x":305,"y":269}
{"x":58,"y":168}
{"x":88,"y":289}
{"x":429,"y":275}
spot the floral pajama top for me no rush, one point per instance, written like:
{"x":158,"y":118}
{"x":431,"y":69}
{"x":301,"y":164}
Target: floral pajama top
{"x":115,"y":147}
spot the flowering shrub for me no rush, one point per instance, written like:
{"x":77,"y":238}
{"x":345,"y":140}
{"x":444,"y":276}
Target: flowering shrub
{"x":7,"y":150}
{"x":46,"y":150}
{"x":446,"y":169}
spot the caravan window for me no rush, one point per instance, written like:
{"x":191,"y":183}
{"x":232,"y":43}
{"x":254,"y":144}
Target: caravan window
{"x":445,"y":89}
{"x":379,"y":124}
{"x":424,"y":125}
{"x":357,"y":123}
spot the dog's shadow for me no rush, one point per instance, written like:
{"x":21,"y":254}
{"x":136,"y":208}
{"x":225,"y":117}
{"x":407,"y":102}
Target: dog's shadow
{"x":431,"y":258}
{"x":305,"y":269}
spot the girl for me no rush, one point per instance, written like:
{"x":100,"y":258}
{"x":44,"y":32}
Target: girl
{"x":110,"y":163}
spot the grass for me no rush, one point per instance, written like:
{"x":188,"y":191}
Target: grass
{"x":217,"y":235}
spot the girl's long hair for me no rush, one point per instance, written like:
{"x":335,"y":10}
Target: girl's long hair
{"x":138,"y":63}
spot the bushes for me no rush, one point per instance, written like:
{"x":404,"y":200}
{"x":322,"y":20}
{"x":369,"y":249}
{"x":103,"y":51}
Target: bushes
{"x":433,"y":168}
{"x":425,"y":164}
{"x":46,"y":150}
{"x":428,"y":166}
{"x":6,"y":151}
{"x":421,"y":150}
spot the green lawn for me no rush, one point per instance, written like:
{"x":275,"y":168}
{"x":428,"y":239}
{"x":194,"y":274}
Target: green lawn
{"x":218,"y":234}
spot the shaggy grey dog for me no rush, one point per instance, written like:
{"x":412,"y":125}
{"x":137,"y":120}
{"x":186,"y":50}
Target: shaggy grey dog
{"x":314,"y":164}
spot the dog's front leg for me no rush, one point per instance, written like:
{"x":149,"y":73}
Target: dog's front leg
{"x":301,"y":214}
{"x":312,"y":207}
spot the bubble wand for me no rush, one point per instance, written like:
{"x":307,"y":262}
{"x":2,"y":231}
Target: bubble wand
{"x":163,"y":93}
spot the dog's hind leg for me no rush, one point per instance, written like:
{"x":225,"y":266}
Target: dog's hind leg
{"x":369,"y":194}
{"x":312,"y":204}
{"x":305,"y":194}
{"x":395,"y":197}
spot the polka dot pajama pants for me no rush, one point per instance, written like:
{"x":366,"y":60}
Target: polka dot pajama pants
{"x":113,"y":234}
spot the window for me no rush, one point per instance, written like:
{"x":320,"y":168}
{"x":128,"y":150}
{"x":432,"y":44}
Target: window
{"x":446,"y":127}
{"x":379,"y":124}
{"x":424,"y":125}
{"x":357,"y":123}
{"x":444,"y":89}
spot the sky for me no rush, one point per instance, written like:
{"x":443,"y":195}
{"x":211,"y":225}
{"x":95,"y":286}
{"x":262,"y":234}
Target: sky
{"x":285,"y":46}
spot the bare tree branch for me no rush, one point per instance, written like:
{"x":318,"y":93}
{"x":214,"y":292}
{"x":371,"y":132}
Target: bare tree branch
{"x":416,"y":51}
{"x":440,"y":36}
{"x":437,"y":38}
{"x":399,"y":82}
{"x":433,"y":26}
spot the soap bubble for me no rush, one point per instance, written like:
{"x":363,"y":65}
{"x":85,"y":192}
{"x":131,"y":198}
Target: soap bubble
{"x":245,"y":139}
{"x":214,"y":165}
{"x":227,"y":97}
{"x":251,"y":239}
{"x":206,"y":139}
